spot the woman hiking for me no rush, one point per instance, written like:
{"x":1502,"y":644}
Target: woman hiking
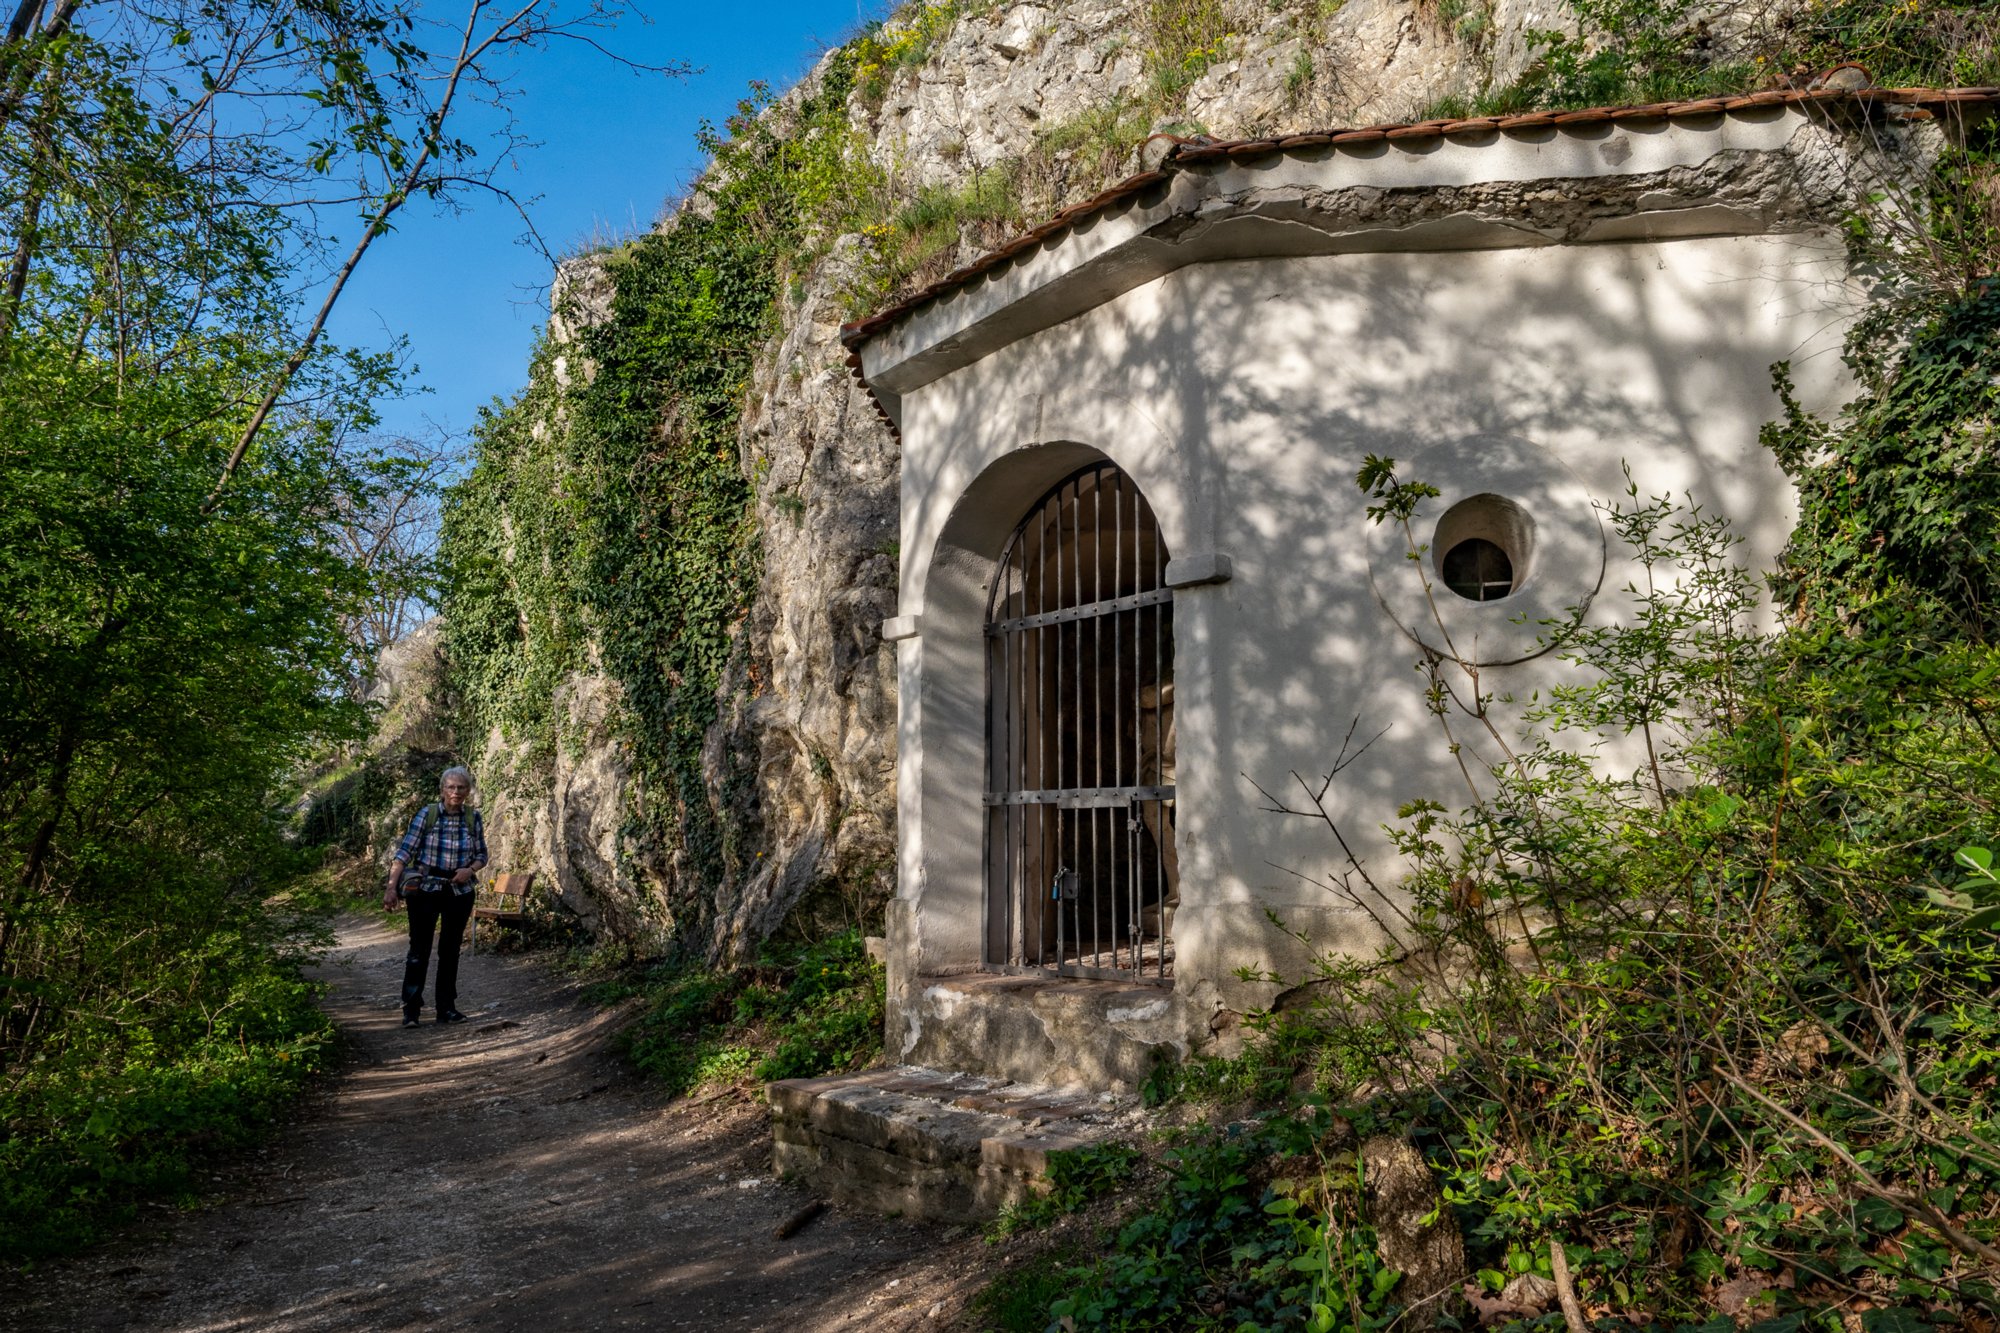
{"x":441,"y":852}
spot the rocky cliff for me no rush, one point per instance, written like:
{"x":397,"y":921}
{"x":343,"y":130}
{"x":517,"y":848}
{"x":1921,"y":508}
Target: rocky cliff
{"x":961,"y":123}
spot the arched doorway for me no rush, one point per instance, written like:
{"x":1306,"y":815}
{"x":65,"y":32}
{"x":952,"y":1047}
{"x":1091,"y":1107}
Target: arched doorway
{"x":1082,"y":877}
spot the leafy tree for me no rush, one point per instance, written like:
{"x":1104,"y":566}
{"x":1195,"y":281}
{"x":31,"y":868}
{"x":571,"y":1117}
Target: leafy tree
{"x":188,"y":575}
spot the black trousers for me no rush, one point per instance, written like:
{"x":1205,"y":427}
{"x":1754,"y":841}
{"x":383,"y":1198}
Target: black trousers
{"x":426,"y":911}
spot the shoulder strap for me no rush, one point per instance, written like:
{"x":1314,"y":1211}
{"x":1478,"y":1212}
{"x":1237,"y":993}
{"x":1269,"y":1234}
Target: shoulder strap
{"x":478,"y":825}
{"x":424,"y":822}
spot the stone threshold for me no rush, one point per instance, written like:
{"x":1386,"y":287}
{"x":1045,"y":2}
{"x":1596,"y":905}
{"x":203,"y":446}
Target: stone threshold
{"x":1039,"y":1029}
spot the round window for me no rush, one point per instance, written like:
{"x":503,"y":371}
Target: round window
{"x":1512,"y":550}
{"x":1483,"y":546}
{"x":1478,"y":571}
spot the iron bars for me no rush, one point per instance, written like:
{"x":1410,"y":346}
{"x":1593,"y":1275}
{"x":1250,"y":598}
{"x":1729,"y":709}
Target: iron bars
{"x":1082,"y":876}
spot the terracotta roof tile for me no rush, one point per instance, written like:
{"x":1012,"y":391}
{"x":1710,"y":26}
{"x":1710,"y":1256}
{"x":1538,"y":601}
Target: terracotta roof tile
{"x":1919,"y":101}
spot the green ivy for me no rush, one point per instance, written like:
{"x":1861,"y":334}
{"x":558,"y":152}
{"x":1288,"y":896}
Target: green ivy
{"x":606,"y":523}
{"x":1899,"y":500}
{"x":1256,"y":1228}
{"x":799,"y":1010}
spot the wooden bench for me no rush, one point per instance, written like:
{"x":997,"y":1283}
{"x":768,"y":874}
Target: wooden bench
{"x":508,"y":904}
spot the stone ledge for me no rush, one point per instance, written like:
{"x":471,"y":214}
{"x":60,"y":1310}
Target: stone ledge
{"x":948,"y":1147}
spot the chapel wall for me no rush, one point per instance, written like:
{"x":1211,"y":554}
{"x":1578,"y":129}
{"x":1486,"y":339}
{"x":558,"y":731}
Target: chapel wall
{"x":1242,"y":397}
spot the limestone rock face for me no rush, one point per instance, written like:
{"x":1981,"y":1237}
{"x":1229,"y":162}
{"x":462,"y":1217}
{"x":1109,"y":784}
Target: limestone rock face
{"x":999,"y":78}
{"x":809,"y":707}
{"x":1002,"y":78}
{"x":819,"y":706}
{"x":569,"y":830}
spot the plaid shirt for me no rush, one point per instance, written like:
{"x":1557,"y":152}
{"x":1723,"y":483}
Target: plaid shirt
{"x":454,"y":842}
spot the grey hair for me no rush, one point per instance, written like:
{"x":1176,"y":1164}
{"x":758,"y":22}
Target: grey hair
{"x":456,"y":771}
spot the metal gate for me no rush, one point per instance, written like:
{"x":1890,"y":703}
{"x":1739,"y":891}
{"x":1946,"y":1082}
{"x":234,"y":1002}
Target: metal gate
{"x":1082,"y":877}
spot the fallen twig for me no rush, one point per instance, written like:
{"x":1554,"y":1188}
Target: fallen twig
{"x":1565,"y":1289}
{"x":797,"y":1222}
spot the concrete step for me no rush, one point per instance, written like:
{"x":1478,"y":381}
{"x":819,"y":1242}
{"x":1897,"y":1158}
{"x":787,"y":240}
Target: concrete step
{"x":929,"y":1144}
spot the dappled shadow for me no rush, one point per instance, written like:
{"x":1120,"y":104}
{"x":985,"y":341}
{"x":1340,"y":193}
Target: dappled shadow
{"x":508,"y":1173}
{"x":1242,"y":397}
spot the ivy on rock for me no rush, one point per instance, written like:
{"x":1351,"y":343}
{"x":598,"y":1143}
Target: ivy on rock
{"x":607,"y":523}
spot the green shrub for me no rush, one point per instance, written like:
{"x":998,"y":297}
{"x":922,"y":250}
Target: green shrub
{"x":125,"y":1113}
{"x":1244,"y":1237}
{"x":1636,"y":51}
{"x":1709,"y":1019}
{"x":799,"y":1011}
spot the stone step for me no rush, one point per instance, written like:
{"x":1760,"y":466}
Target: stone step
{"x":929,"y":1144}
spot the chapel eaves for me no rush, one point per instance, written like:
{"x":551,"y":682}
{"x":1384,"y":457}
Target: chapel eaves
{"x":1717,"y":166}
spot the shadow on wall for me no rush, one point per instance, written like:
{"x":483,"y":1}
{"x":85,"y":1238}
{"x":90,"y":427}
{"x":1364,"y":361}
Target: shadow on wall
{"x":1271,"y":381}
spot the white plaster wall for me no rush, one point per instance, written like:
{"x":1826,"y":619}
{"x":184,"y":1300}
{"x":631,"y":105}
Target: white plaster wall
{"x":1242,"y":396}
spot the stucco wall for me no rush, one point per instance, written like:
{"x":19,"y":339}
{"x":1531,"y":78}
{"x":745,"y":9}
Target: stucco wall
{"x":1242,"y":397}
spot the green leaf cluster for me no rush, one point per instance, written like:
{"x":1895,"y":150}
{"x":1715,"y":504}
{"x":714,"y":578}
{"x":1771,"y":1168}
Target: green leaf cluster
{"x":1075,"y":1177}
{"x":1256,"y":1227}
{"x":798,"y":1011}
{"x":1978,"y":894}
{"x":1899,"y":496}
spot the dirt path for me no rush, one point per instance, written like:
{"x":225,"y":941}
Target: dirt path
{"x":503,"y":1174}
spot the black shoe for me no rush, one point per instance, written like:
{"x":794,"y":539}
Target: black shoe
{"x":451,"y":1016}
{"x":409,"y":1020}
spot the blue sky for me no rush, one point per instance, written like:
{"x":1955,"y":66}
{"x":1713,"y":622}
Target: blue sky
{"x":614,"y":146}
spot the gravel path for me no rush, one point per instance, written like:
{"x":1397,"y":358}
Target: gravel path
{"x":508,"y":1173}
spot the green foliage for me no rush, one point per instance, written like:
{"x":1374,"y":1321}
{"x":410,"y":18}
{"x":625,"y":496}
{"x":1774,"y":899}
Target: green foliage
{"x":1300,"y":76}
{"x":606,"y":520}
{"x":830,"y":1017}
{"x":1018,"y":1301}
{"x":1711,"y":1018}
{"x":1899,"y":501}
{"x":931,"y":224}
{"x":1633,"y":51}
{"x":1636,"y":51}
{"x":1257,"y":1228}
{"x":1183,"y":38}
{"x":176,"y":649}
{"x":1279,"y":1047}
{"x":137,"y":1099}
{"x":905,"y":42}
{"x":799,"y":1011}
{"x":1977,"y":894}
{"x":1076,"y":1177}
